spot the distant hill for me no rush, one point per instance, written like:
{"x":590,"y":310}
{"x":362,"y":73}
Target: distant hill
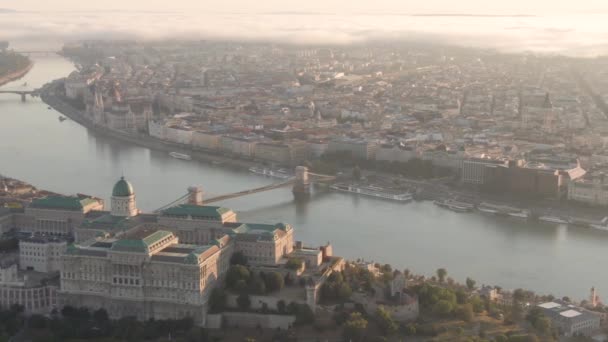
{"x":7,"y":10}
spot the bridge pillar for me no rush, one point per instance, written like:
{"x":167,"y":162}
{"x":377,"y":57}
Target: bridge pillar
{"x":23,"y":97}
{"x":301,"y":187}
{"x":195,"y":195}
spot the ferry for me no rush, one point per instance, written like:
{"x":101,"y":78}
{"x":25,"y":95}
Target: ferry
{"x":552,"y":219}
{"x":603,"y":226}
{"x":373,"y":191}
{"x":280,"y":173}
{"x":487,"y":209}
{"x":524,"y":214}
{"x":180,"y":156}
{"x":456,"y":206}
{"x":62,"y":118}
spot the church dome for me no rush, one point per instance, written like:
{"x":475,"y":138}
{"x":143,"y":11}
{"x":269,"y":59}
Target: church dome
{"x":122,"y":188}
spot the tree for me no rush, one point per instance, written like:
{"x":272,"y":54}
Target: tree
{"x":281,"y":306}
{"x":243,"y":301}
{"x":441,"y":274}
{"x":257,"y":285}
{"x":385,"y":321}
{"x":465,"y":312}
{"x":343,"y":292}
{"x":238,"y":258}
{"x":217,"y":300}
{"x":101,"y":316}
{"x":294,"y":264}
{"x":236,"y":273}
{"x":470,"y":284}
{"x":443,"y":307}
{"x":274,"y":281}
{"x":354,"y":327}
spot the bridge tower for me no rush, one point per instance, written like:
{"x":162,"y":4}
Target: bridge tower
{"x":23,"y":97}
{"x":195,"y":195}
{"x":301,"y":187}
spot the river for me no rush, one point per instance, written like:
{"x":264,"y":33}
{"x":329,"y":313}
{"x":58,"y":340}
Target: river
{"x":67,"y":158}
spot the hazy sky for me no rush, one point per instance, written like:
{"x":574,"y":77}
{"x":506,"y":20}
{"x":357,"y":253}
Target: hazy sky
{"x":408,"y":6}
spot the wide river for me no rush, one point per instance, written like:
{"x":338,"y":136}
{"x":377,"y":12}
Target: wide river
{"x":67,"y":158}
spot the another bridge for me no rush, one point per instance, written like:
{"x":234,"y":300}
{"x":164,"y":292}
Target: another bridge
{"x":301,"y":187}
{"x":23,"y":93}
{"x":36,"y":52}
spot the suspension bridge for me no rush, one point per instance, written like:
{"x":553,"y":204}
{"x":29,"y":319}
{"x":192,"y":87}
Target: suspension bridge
{"x":300,"y":186}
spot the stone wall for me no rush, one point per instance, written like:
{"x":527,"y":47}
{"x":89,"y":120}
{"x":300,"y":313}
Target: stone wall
{"x":249,"y":320}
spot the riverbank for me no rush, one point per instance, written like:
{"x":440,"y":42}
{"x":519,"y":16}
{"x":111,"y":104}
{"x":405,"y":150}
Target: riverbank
{"x":48,"y":96}
{"x":15,"y":75}
{"x":426,"y":190}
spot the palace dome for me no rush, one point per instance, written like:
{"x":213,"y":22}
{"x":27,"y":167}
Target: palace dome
{"x":122,"y":188}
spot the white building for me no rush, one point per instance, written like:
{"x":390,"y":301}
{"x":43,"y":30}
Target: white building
{"x":571,"y":320}
{"x":590,"y":191}
{"x":41,"y":253}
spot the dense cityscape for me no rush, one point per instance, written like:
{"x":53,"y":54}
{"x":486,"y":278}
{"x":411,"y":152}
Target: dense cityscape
{"x":506,"y":135}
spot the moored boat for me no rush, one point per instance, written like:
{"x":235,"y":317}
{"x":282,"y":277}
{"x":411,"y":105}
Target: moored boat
{"x":373,"y":191}
{"x":178,"y":155}
{"x":552,"y":219}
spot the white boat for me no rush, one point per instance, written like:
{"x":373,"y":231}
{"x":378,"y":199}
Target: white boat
{"x":180,"y":156}
{"x":552,"y":219}
{"x":487,"y":210}
{"x":599,"y":227}
{"x":456,"y":206}
{"x":280,"y":173}
{"x":373,"y":191}
{"x":520,"y":215}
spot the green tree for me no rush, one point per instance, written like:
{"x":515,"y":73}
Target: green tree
{"x":294,"y":264}
{"x":385,"y":321}
{"x":238,"y":258}
{"x":281,"y":306}
{"x":257,"y":285}
{"x":470,"y":284}
{"x":443,"y":307}
{"x":354,"y":327}
{"x":217,"y":300}
{"x":274,"y":282}
{"x":465,"y":312}
{"x":243,"y":301}
{"x":441,"y":274}
{"x":236,"y":273}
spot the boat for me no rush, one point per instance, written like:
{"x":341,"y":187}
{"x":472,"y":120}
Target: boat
{"x":520,"y":214}
{"x":460,"y":207}
{"x":217,"y":162}
{"x":603,"y":227}
{"x":180,"y":156}
{"x":373,"y":191}
{"x":552,"y":219}
{"x":49,"y":108}
{"x":263,"y":171}
{"x":486,"y":209}
{"x":62,"y":118}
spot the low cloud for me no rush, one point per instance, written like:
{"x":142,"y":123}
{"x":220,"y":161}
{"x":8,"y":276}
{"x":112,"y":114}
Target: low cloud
{"x":573,"y":35}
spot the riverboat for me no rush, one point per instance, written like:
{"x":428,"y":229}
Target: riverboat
{"x":524,"y":214}
{"x":373,"y":191}
{"x":459,"y":207}
{"x":279,"y":173}
{"x":182,"y":156}
{"x":552,"y":219}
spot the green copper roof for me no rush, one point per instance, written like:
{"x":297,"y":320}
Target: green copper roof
{"x":122,"y":188}
{"x":62,"y":202}
{"x":196,"y":211}
{"x":140,"y":245}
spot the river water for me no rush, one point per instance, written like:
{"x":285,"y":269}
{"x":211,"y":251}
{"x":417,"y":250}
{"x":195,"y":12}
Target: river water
{"x":67,"y":158}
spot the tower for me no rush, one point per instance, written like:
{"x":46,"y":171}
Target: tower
{"x":195,"y":195}
{"x":550,"y":118}
{"x":301,"y":186}
{"x":123,"y":199}
{"x":593,"y":298}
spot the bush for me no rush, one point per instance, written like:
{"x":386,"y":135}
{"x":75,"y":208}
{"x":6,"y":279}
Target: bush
{"x":274,"y":281}
{"x":243,"y":301}
{"x":294,"y":264}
